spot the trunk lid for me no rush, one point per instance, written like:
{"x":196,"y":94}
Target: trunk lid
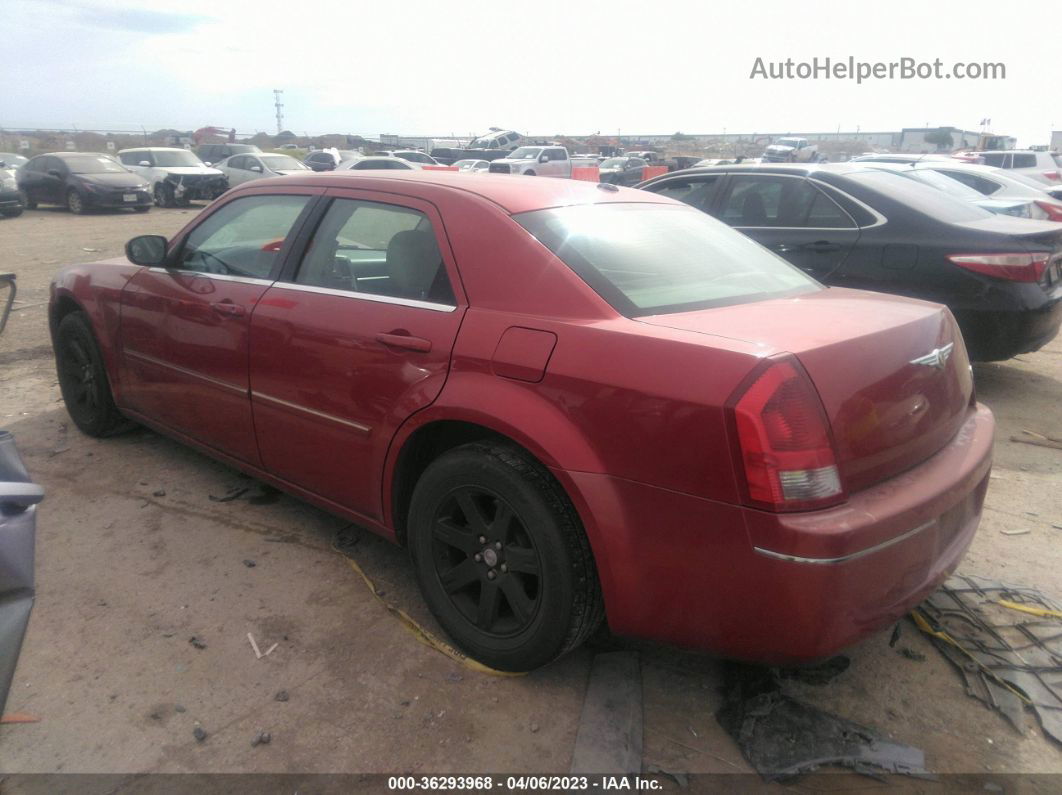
{"x":894,"y":391}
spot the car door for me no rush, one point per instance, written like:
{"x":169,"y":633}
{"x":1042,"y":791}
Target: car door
{"x":53,"y":181}
{"x":351,"y":342}
{"x":240,"y":169}
{"x":791,"y":216}
{"x":31,"y":176}
{"x":184,"y":328}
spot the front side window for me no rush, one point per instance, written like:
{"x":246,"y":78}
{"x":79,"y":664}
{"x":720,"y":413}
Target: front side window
{"x":243,"y":238}
{"x":282,"y":163}
{"x":557,"y":154}
{"x":378,"y":249}
{"x":526,"y":153}
{"x":647,"y":259}
{"x":239,"y":161}
{"x":696,"y":191}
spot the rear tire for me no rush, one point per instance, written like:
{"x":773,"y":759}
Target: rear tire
{"x":83,"y":378}
{"x":74,"y":202}
{"x":26,"y":201}
{"x":528,"y":592}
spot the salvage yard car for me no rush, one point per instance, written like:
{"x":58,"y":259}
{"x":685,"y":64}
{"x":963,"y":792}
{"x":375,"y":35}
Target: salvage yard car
{"x":855,"y":225}
{"x":248,"y":167}
{"x":176,"y":175}
{"x":10,"y":198}
{"x":82,"y":181}
{"x":568,"y":400}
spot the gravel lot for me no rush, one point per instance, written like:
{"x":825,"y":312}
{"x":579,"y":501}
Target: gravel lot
{"x":134,"y":559}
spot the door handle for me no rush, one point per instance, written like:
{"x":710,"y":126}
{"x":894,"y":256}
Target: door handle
{"x":405,"y":341}
{"x":821,"y":245}
{"x":228,"y":309}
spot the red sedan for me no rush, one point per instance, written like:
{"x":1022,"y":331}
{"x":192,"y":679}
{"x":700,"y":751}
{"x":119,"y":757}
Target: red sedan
{"x":568,"y":400}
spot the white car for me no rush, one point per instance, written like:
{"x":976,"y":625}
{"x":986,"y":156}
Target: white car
{"x":472,"y":166}
{"x":247,"y":167}
{"x":998,"y":183}
{"x":1041,"y":166}
{"x":176,"y":175}
{"x":377,"y":162}
{"x":1017,"y":207}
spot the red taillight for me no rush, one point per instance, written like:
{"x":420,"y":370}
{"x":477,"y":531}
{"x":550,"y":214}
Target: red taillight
{"x":1022,"y":267}
{"x":1052,"y":175}
{"x":783,"y":437}
{"x":1053,"y":210}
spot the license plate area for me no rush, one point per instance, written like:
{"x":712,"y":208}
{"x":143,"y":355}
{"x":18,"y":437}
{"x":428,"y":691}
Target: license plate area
{"x":129,"y":197}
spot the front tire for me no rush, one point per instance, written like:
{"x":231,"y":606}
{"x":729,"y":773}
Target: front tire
{"x":163,"y":195}
{"x":13,"y":213}
{"x":83,"y":378}
{"x":74,"y":202}
{"x":501,"y":557}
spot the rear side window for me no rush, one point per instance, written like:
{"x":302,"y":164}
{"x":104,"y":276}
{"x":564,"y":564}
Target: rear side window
{"x":1024,"y":160}
{"x":783,"y":202}
{"x":983,"y":186}
{"x":648,"y":259}
{"x":375,"y":248}
{"x":996,"y":159}
{"x":243,"y":238}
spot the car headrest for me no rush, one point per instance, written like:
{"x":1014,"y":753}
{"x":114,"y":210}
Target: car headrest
{"x":413,"y":261}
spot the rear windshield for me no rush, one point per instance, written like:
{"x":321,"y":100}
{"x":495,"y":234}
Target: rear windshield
{"x":650,"y":259}
{"x":935,"y":203}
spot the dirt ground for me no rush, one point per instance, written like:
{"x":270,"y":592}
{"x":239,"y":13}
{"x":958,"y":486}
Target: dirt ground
{"x":134,"y":559}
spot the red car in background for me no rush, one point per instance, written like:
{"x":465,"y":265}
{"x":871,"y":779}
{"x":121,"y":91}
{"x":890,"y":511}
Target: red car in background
{"x":568,"y":400}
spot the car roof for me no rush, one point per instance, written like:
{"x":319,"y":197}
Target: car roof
{"x":153,"y":149}
{"x":796,"y":169}
{"x":514,"y":194}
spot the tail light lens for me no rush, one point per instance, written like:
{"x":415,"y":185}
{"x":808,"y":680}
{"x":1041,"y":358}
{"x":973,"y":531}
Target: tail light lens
{"x":784,"y":447}
{"x":1053,"y":210}
{"x":1052,"y":175}
{"x":1022,"y":267}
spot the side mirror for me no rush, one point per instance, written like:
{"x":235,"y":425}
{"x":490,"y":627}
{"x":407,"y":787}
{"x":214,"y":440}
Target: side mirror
{"x":208,"y":163}
{"x":144,"y":163}
{"x":256,"y":168}
{"x":543,"y":158}
{"x":147,"y":250}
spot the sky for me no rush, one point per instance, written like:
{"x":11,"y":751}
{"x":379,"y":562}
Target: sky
{"x":543,"y":67}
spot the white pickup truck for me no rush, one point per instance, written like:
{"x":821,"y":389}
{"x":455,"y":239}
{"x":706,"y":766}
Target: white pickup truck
{"x":539,"y":161}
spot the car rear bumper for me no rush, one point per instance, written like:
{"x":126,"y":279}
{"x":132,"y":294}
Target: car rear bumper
{"x":997,"y":335}
{"x":9,"y":199}
{"x":784,"y":588}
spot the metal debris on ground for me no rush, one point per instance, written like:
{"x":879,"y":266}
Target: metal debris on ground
{"x":249,"y":563}
{"x":197,"y":641}
{"x":1038,"y":439}
{"x":911,"y":654}
{"x":782,"y":737}
{"x":1005,"y":641}
{"x":258,"y":655}
{"x":1019,"y":532}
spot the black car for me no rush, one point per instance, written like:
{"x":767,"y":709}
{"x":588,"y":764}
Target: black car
{"x":82,"y":181}
{"x":322,"y":160}
{"x":852,"y":226}
{"x":215,"y":153}
{"x":622,"y":170}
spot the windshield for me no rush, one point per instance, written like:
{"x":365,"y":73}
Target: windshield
{"x":934,"y":203}
{"x":614,"y":162}
{"x":466,"y":164}
{"x":94,"y":164}
{"x":176,"y":159}
{"x":282,"y":163}
{"x":525,"y":153}
{"x":415,"y":157}
{"x":793,"y":142}
{"x":649,"y":259}
{"x":13,"y":159}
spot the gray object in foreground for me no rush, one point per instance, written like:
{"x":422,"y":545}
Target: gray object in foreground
{"x":18,"y":500}
{"x":610,"y":729}
{"x":1008,"y":656}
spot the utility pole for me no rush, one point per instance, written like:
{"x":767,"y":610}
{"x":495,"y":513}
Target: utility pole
{"x":278,"y":104}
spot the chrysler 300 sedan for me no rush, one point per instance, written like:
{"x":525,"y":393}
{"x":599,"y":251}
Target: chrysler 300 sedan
{"x":571,"y":402}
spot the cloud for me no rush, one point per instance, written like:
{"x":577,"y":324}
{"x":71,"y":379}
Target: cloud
{"x":133,"y":20}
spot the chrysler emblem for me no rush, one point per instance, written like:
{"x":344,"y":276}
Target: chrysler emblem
{"x":937,"y":357}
